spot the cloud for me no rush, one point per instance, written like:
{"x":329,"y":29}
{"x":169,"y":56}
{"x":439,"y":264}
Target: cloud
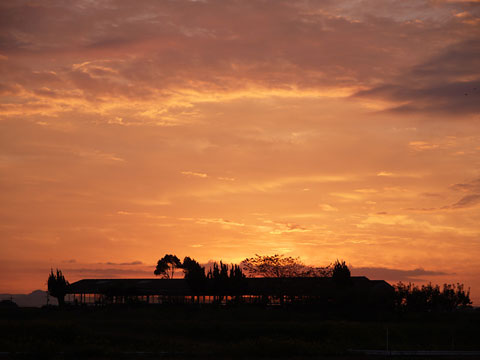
{"x":468,"y":186}
{"x":108,"y":273}
{"x":131,"y":57}
{"x":396,"y":274}
{"x":422,"y":145}
{"x":472,"y":198}
{"x":327,"y":207}
{"x":466,"y":201}
{"x":382,"y":218}
{"x":219,"y":221}
{"x":124,"y":263}
{"x":194,"y":174}
{"x":96,"y":129}
{"x":281,"y":228}
{"x":385,"y":173}
{"x":446,"y":83}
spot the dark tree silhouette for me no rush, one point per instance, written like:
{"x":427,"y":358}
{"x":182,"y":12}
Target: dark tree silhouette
{"x":162,"y":268}
{"x":237,"y":281}
{"x":218,"y":273}
{"x":225,"y":281}
{"x":236,"y":272}
{"x":280,"y":266}
{"x":430,"y":298}
{"x":57,"y":286}
{"x":223,"y":277}
{"x":341,"y":272}
{"x":166,"y":266}
{"x":194,"y":274}
{"x":221,"y":271}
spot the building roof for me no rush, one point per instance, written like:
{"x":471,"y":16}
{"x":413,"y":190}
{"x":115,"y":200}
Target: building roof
{"x":131,"y":287}
{"x":306,"y":286}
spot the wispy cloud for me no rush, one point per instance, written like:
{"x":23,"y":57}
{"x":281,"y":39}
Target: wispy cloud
{"x":471,"y":198}
{"x":194,"y":174}
{"x":137,"y":262}
{"x":472,"y":186}
{"x":466,"y":201}
{"x":327,"y":207}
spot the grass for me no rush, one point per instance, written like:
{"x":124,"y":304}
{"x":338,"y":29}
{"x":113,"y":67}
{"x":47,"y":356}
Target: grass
{"x":223,"y":332}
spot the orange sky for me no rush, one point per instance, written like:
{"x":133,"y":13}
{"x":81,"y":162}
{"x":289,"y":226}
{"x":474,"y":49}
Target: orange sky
{"x":221,"y":129}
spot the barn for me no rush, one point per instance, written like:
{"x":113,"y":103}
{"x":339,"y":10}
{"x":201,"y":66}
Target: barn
{"x":267,"y":291}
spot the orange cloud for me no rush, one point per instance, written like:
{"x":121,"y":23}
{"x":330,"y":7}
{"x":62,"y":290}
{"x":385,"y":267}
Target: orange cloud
{"x":222,"y":129}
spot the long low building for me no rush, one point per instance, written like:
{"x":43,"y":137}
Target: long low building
{"x":270,"y":291}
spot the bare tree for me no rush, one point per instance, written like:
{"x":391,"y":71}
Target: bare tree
{"x":281,"y":266}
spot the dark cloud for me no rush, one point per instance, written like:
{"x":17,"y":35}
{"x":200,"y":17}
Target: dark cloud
{"x":395,"y":274}
{"x":431,"y":195}
{"x":294,"y":227}
{"x":460,"y":59}
{"x":108,"y":273}
{"x":436,"y":98}
{"x":469,"y":186}
{"x":449,"y":82}
{"x":124,"y":263}
{"x":224,"y":45}
{"x":472,"y":198}
{"x":466,"y":201}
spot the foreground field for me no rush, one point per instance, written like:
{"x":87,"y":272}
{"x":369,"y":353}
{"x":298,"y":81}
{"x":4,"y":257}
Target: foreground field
{"x":181,"y":332}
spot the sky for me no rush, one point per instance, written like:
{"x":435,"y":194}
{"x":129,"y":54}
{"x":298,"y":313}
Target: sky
{"x":223,"y":129}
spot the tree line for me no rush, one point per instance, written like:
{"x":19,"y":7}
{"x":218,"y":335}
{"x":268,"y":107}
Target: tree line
{"x":220,"y":277}
{"x":258,"y":266}
{"x":408,"y":297}
{"x":223,"y":278}
{"x":431,"y":298}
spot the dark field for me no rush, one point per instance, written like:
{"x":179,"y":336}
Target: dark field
{"x":182,"y":332}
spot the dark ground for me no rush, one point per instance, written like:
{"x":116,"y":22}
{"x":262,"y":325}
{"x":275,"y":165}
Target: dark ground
{"x":223,"y":333}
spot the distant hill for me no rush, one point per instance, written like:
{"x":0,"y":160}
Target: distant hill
{"x":36,"y":298}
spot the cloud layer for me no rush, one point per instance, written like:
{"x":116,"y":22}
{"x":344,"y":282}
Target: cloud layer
{"x":221,"y":129}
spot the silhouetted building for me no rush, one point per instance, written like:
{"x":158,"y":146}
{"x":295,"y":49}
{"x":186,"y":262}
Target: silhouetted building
{"x":269,"y":291}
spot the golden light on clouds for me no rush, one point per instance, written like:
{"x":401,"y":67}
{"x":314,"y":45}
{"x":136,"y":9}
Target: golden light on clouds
{"x":219,"y":129}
